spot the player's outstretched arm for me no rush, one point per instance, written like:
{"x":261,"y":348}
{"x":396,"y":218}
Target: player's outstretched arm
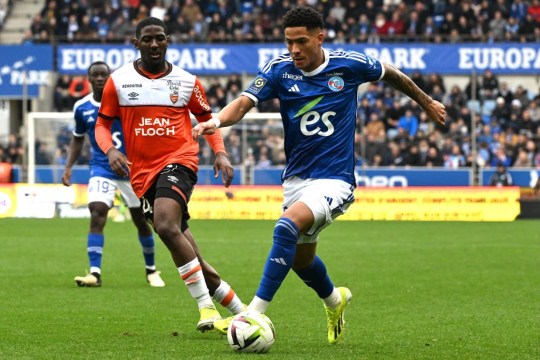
{"x":229,"y":115}
{"x":397,"y":79}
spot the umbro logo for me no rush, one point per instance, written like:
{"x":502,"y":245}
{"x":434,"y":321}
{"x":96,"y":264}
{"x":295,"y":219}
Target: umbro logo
{"x":133,"y":95}
{"x":280,"y":261}
{"x":172,"y":178}
{"x":294,"y":88}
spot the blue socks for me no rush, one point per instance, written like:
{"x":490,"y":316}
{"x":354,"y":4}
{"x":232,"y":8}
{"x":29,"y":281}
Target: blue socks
{"x":147,"y":243}
{"x":95,"y":250}
{"x":316,"y":277}
{"x":280,"y":259}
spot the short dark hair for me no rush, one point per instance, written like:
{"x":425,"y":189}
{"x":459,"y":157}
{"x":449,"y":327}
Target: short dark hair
{"x":303,"y":16}
{"x":96,"y":63}
{"x":147,"y":22}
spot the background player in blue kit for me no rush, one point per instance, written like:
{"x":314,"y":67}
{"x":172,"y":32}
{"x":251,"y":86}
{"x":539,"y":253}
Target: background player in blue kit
{"x":317,"y":89}
{"x":104,"y":183}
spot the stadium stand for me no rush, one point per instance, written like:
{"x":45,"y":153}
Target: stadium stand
{"x":507,"y":115}
{"x":17,"y":19}
{"x":370,"y":21}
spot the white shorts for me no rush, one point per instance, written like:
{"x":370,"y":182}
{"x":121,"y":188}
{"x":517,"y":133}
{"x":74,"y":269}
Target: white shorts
{"x":326,"y":198}
{"x":103,"y":190}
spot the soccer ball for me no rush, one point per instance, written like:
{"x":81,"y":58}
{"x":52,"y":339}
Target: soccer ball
{"x":251,"y":332}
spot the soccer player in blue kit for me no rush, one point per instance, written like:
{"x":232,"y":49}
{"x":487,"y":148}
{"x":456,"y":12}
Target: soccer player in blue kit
{"x":104,"y":183}
{"x":317,"y":89}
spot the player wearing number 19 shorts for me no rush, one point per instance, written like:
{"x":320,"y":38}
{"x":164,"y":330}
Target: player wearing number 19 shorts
{"x":104,"y":184}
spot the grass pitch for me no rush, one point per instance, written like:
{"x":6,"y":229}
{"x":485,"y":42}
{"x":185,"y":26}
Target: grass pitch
{"x":421,"y":290}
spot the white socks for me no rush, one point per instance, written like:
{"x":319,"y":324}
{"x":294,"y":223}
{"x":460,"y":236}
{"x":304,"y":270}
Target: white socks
{"x":193,"y":277}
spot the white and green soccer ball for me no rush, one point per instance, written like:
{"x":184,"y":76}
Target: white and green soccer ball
{"x":251,"y":332}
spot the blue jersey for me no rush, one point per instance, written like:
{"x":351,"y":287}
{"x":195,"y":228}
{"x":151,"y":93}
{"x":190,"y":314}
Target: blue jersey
{"x":85,"y":112}
{"x":318,"y":110}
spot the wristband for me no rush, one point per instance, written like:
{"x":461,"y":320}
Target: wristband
{"x":215,"y":121}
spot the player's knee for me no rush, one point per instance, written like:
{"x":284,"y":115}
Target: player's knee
{"x":166,"y":230}
{"x":97,"y":222}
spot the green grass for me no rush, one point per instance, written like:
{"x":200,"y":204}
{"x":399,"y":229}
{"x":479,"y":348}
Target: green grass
{"x":421,"y":290}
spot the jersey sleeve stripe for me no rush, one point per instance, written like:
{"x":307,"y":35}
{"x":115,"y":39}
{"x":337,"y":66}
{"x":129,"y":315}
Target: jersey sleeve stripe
{"x":275,"y":61}
{"x":358,"y":56}
{"x":201,"y":113}
{"x":106,"y":117}
{"x":352,"y":55}
{"x":251,"y":96}
{"x":383,"y":70}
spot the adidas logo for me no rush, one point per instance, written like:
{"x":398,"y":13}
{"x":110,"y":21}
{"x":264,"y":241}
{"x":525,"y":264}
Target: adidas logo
{"x":279,"y":261}
{"x":294,"y":88}
{"x":172,"y":178}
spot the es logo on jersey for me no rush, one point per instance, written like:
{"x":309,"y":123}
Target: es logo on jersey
{"x":335,"y":83}
{"x":257,"y":85}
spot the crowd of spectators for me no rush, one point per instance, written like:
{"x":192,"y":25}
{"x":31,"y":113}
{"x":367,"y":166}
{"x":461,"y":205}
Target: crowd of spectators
{"x":259,"y":21}
{"x":5,"y":9}
{"x":12,"y":151}
{"x":68,"y":90}
{"x":392,"y":131}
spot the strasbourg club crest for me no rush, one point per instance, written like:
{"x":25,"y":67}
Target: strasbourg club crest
{"x":335,"y":83}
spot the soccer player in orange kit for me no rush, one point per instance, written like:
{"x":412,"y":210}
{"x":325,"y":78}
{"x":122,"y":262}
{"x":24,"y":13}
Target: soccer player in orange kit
{"x":153,"y":100}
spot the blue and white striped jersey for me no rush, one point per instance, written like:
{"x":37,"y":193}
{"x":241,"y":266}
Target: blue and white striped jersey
{"x":318,"y":110}
{"x":85,"y":112}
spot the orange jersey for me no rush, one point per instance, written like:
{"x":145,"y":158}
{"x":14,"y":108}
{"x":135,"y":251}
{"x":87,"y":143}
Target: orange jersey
{"x":155,"y":117}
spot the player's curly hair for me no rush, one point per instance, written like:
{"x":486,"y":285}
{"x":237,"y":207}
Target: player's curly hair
{"x":147,"y":22}
{"x":303,"y":16}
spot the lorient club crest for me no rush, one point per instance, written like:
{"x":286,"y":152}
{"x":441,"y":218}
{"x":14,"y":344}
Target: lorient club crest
{"x":174,"y":96}
{"x":174,"y":87}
